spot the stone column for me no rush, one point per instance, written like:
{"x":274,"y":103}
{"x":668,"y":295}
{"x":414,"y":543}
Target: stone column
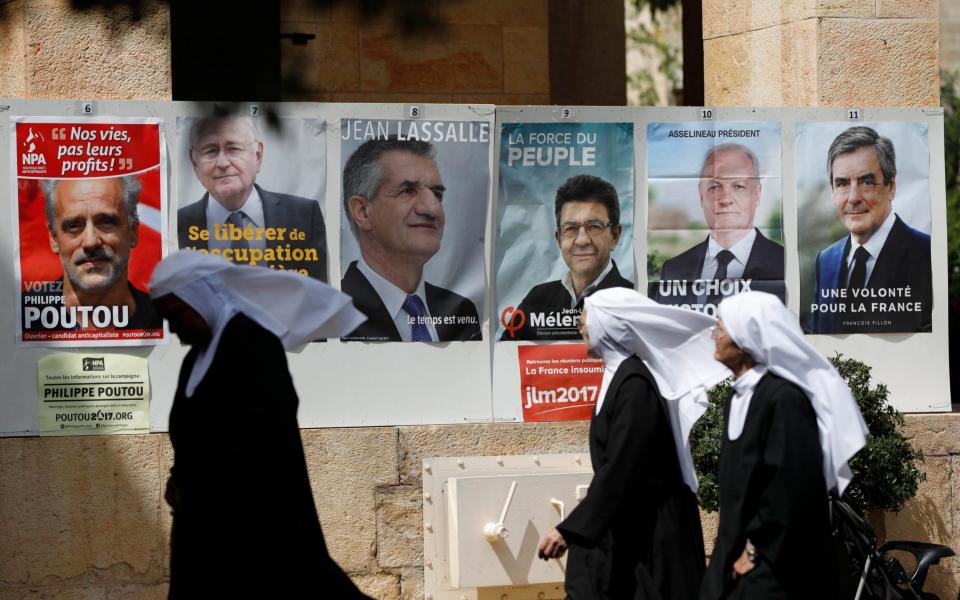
{"x":821,"y":52}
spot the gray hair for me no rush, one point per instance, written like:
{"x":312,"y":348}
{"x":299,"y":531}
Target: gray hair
{"x":131,"y":195}
{"x":201,"y":126}
{"x":860,"y":136}
{"x":362,"y":175}
{"x":731,"y":146}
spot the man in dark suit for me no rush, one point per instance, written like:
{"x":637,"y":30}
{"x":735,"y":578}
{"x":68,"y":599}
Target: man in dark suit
{"x":587,"y":210}
{"x":246,"y":223}
{"x":735,"y":256}
{"x":393,"y":192}
{"x":878,"y":278}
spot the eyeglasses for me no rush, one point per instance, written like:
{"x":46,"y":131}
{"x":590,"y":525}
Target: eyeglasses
{"x":571,"y":229}
{"x":232,"y":151}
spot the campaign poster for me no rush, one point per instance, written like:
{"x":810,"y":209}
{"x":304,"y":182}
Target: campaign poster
{"x":558,"y":382}
{"x":564,"y":224}
{"x":715,"y":212}
{"x":93,"y":394}
{"x":414,"y":199}
{"x":863,"y":196}
{"x":90,"y":205}
{"x":252,"y":191}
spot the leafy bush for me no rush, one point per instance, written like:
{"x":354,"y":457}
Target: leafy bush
{"x":885,"y":474}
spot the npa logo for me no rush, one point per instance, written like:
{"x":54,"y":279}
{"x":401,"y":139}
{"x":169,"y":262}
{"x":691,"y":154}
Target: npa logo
{"x":93,"y":364}
{"x":30,"y":156}
{"x":513,"y":320}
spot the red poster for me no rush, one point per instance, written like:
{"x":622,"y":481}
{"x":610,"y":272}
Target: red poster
{"x":90,"y":199}
{"x":558,"y":382}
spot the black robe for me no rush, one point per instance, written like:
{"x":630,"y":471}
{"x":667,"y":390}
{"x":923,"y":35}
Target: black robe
{"x":245,"y":524}
{"x":637,"y":533}
{"x":772,"y":492}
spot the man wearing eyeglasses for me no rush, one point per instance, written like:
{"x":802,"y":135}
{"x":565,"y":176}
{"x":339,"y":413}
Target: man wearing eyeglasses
{"x":587,"y":210}
{"x":878,"y":278}
{"x":735,"y":256}
{"x":246,"y":223}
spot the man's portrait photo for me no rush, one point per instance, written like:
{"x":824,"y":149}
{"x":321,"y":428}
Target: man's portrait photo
{"x":232,"y":204}
{"x":92,"y":225}
{"x":396,"y":203}
{"x":587,"y":211}
{"x":873,"y":273}
{"x":737,"y":233}
{"x":564,"y":224}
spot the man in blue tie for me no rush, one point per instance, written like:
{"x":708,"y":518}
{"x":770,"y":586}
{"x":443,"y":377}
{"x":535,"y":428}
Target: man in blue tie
{"x":393,"y":194}
{"x":877,"y":278}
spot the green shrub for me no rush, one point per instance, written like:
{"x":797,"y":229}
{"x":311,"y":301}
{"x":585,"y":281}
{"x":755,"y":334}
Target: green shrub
{"x":885,"y":473}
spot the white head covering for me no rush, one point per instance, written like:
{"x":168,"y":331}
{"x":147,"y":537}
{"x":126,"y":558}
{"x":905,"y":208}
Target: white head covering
{"x":763,"y":327}
{"x":295,"y":308}
{"x":674,"y":343}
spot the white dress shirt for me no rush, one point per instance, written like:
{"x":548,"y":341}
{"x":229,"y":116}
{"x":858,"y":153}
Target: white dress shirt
{"x":393,"y":298}
{"x":567,"y":282}
{"x":741,"y":253}
{"x":873,"y":246}
{"x":252,"y":216}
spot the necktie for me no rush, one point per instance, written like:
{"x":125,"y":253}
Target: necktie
{"x":414,"y":307}
{"x":236,"y":221}
{"x":858,"y":277}
{"x":723,"y":259}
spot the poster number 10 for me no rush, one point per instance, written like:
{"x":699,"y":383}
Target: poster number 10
{"x":706,"y":113}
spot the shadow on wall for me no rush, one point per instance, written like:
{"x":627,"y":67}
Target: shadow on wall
{"x":83,"y":514}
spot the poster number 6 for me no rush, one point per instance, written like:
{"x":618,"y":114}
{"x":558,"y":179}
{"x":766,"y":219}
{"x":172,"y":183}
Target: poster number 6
{"x":87,"y":108}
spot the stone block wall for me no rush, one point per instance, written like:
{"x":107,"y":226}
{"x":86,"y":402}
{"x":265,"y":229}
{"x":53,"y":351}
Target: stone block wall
{"x":821,"y":52}
{"x":84,"y":517}
{"x":484,"y":51}
{"x":49,"y":49}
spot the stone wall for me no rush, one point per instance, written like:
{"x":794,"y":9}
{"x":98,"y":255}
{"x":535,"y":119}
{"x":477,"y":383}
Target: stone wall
{"x":821,"y":52}
{"x":48,"y":49}
{"x":490,"y":51}
{"x":84,"y":516}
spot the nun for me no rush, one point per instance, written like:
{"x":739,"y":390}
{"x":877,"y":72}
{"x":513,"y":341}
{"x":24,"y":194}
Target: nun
{"x":791,"y":426}
{"x":636,"y":534}
{"x":244,"y":520}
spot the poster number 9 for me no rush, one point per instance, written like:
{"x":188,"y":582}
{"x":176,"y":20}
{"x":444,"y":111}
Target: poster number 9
{"x":565,"y":113}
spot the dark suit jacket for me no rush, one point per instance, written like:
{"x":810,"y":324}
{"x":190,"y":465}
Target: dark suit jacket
{"x":764,"y":268}
{"x":279,"y":210}
{"x":904,"y":261}
{"x":552,"y":297}
{"x":379,"y":326}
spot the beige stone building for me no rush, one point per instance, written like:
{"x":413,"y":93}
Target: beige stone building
{"x":83,"y":517}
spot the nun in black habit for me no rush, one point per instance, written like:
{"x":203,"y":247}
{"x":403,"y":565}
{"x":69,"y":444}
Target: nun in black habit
{"x":790,"y":428}
{"x":244,"y":520}
{"x":636,"y":534}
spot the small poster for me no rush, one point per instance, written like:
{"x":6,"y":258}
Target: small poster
{"x":252,"y":191}
{"x":90,"y":202}
{"x":564,"y":223}
{"x":93,"y":394}
{"x":412,"y":230}
{"x":714,"y":212}
{"x":558,"y":382}
{"x":863,"y":195}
